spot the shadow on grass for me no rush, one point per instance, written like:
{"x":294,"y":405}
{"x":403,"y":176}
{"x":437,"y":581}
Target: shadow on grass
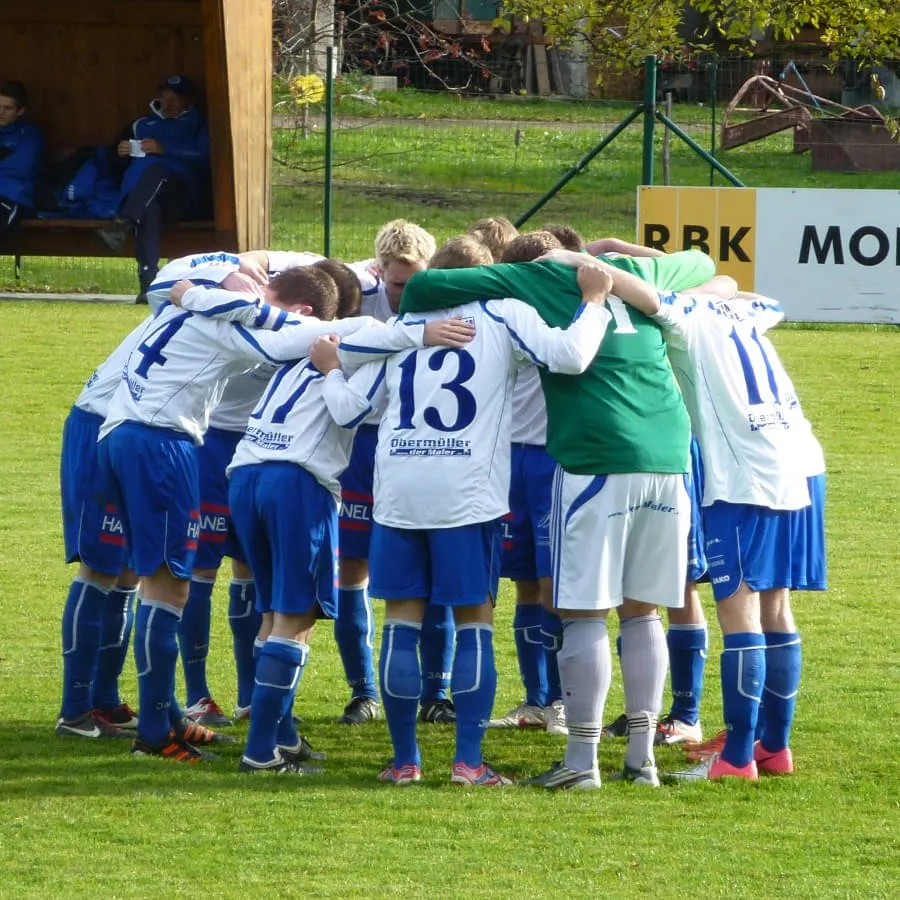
{"x":35,"y":763}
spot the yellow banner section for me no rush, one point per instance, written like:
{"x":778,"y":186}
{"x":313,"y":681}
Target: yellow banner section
{"x":718,"y":221}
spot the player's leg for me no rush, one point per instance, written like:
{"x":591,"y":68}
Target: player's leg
{"x":244,"y":619}
{"x":436,"y":650}
{"x":687,"y":639}
{"x":657,"y":529}
{"x":354,"y":627}
{"x":688,"y":636}
{"x":94,"y":537}
{"x":287,"y":525}
{"x":783,"y":650}
{"x":216,"y":541}
{"x":115,"y":638}
{"x":531,"y":656}
{"x":471,"y":591}
{"x":401,"y":575}
{"x":744,"y":553}
{"x":585,"y":563}
{"x":157,"y":475}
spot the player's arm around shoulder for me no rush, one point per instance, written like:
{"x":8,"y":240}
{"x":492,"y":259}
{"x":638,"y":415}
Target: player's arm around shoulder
{"x":402,"y":333}
{"x":567,"y":351}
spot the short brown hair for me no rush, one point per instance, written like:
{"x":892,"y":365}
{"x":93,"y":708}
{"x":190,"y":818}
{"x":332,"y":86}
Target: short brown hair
{"x":461,"y":252}
{"x":529,"y":246}
{"x":566,"y":235}
{"x":310,"y":286}
{"x":495,"y":232}
{"x":349,"y":289}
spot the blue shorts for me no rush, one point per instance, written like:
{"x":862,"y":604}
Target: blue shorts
{"x":287,"y":524}
{"x":427,"y":564}
{"x":218,"y":538}
{"x":808,"y":557}
{"x":757,"y":545}
{"x":526,"y":528}
{"x":697,"y":568}
{"x":356,"y":495}
{"x":92,"y":523}
{"x":151,"y":474}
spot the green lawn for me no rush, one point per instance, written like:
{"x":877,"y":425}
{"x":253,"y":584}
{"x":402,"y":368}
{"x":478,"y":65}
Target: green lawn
{"x":82,"y":819}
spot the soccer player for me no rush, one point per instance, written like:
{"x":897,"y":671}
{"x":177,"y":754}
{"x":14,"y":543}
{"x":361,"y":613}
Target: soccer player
{"x":171,"y":379}
{"x":284,"y":496}
{"x":227,"y":424}
{"x":447,"y":424}
{"x":763,"y":513}
{"x":537,"y":629}
{"x":98,"y":613}
{"x":401,"y":249}
{"x":620,"y":435}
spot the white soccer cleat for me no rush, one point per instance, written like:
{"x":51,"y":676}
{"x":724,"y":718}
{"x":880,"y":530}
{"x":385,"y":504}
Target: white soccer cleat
{"x":522,"y":716}
{"x":561,"y":778}
{"x":555,"y":718}
{"x":671,"y":731}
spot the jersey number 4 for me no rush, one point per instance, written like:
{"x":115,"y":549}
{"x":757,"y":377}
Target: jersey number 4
{"x":152,"y":346}
{"x":466,"y":405}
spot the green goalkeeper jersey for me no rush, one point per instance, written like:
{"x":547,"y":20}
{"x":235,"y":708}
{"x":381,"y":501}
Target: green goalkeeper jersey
{"x":625,"y":413}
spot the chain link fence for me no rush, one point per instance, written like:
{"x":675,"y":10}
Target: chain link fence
{"x":444,"y":173}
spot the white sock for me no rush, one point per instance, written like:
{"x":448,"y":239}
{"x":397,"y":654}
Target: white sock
{"x":645,"y":661}
{"x":585,"y":671}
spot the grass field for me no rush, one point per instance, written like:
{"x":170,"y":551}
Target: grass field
{"x":82,"y":819}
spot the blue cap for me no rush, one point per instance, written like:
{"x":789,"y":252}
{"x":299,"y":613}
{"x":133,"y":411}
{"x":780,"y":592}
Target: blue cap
{"x":178,"y":84}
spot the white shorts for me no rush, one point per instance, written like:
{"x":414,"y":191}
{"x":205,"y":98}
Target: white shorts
{"x":617,"y":536}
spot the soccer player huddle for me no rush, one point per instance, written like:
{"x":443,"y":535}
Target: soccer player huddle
{"x":603,"y":424}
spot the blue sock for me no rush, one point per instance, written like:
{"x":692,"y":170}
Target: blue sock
{"x":438,"y":633}
{"x":81,"y":619}
{"x":474,"y":686}
{"x":687,"y":665}
{"x":244,"y":621}
{"x":551,"y":629}
{"x":115,"y":636}
{"x":156,"y":656}
{"x":401,"y":684}
{"x":287,"y":734}
{"x":354,"y":632}
{"x":531,"y":654}
{"x":743,"y":668}
{"x":193,"y":638}
{"x":784,"y":661}
{"x":277,"y":670}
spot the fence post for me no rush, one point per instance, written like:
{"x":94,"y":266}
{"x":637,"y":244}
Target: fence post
{"x":713,"y":95}
{"x":649,"y":117}
{"x":329,"y":162}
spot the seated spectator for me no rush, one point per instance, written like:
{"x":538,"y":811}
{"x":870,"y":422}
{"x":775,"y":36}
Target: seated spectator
{"x":164,"y":161}
{"x":21,"y":147}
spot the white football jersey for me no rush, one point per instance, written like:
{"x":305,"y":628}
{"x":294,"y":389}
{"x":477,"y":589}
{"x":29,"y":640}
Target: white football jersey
{"x":239,"y":398}
{"x":529,"y":411}
{"x":204,"y":269}
{"x":99,"y":388}
{"x":443,"y":444}
{"x":744,"y":410}
{"x":176,"y":372}
{"x":279,"y":260}
{"x":374,"y":297}
{"x":306,"y":418}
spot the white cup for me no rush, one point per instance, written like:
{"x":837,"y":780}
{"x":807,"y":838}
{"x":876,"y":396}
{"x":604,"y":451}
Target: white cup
{"x":135,"y":148}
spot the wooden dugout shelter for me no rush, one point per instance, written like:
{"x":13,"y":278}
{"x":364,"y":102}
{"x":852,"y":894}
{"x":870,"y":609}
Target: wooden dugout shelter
{"x":92,"y":66}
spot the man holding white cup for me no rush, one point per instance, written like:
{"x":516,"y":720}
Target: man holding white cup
{"x":165,"y":178}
